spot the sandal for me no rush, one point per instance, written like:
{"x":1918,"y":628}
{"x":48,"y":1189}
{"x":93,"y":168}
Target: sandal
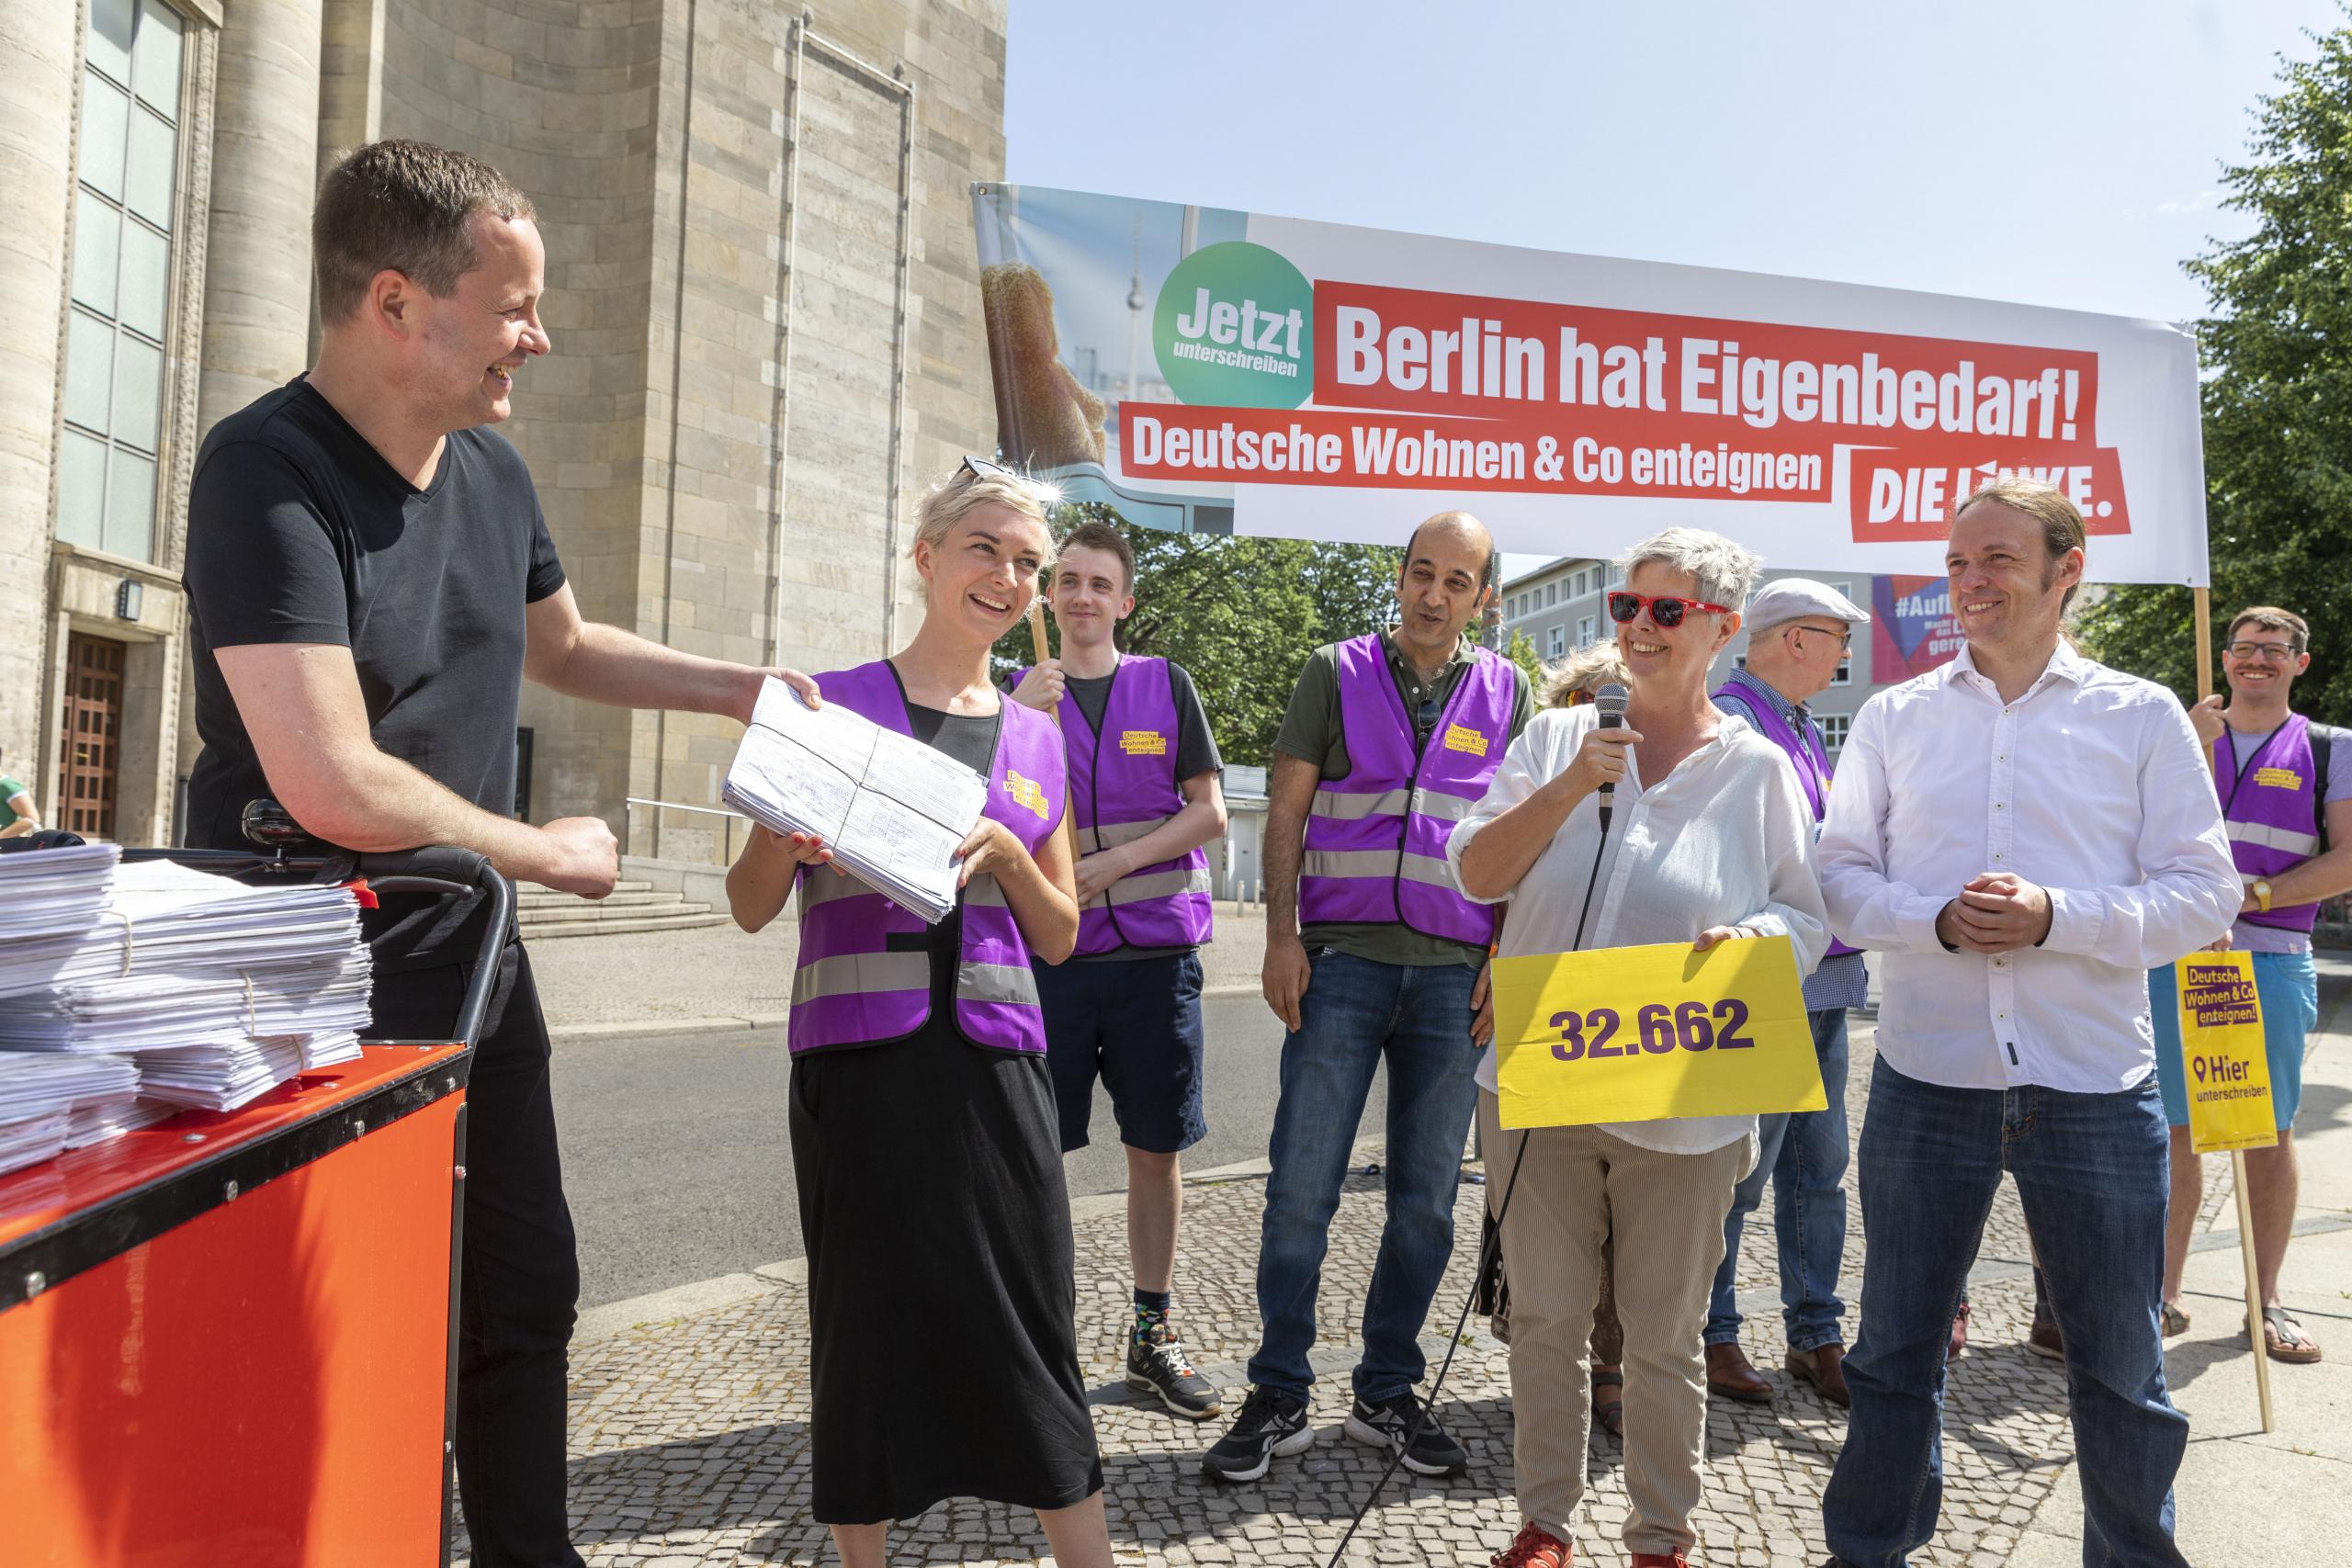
{"x":2174,"y":1321}
{"x":1610,"y":1413}
{"x":2285,"y":1341}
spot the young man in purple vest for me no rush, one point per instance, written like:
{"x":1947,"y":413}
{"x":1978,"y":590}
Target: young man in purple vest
{"x":2286,"y":789}
{"x":1372,"y":955}
{"x":1797,"y":637}
{"x":1144,"y":799}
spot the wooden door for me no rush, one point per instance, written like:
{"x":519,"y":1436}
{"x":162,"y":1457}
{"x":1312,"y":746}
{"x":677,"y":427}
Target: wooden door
{"x":93,"y":735}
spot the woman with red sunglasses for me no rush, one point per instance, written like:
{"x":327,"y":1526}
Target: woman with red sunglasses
{"x":1710,"y":839}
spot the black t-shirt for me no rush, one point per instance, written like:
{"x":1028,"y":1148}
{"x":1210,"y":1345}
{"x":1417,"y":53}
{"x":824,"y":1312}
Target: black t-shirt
{"x":971,"y":740}
{"x":299,"y":532}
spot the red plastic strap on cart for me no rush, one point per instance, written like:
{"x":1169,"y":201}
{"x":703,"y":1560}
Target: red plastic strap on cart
{"x":358,"y":887}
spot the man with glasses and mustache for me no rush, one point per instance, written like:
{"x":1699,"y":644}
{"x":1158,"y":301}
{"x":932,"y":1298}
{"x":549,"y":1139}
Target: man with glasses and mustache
{"x":1798,"y":636}
{"x":1372,"y":955}
{"x":2286,"y":789}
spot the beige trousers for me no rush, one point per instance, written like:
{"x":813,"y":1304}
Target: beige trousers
{"x":1667,"y":1212}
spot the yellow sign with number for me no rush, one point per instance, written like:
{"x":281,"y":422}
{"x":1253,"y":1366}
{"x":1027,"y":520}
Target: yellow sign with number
{"x":1643,"y":1033}
{"x":2228,"y":1075}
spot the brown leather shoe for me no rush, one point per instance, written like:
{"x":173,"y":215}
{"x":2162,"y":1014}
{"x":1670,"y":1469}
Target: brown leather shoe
{"x":1825,"y":1367}
{"x":1729,"y":1374}
{"x":1661,"y":1559}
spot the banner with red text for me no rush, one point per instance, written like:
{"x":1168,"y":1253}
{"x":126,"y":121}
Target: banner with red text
{"x":1209,"y":370}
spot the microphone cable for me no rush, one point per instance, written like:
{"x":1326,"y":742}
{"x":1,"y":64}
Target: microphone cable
{"x":1486,"y":1252}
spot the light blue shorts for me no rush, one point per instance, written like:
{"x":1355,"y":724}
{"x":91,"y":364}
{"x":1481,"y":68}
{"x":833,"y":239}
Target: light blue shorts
{"x":2288,"y":988}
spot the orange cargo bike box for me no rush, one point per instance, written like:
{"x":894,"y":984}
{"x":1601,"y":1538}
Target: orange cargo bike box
{"x":230,"y":1339}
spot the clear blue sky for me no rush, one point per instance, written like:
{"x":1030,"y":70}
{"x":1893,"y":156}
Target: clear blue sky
{"x":2056,"y":152}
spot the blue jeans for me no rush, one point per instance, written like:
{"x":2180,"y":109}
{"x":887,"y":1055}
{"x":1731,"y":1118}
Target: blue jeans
{"x":1804,"y":1155}
{"x":1356,"y":1013}
{"x":2093,"y":1171}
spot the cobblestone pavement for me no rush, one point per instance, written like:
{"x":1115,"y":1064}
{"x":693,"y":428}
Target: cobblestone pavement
{"x":690,"y":1445}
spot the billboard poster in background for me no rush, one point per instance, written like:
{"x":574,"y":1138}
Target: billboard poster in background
{"x":1913,"y":630}
{"x":1215,"y":371}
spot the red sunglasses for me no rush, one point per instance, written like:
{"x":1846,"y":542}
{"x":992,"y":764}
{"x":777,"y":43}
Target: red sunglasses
{"x":1665,"y":608}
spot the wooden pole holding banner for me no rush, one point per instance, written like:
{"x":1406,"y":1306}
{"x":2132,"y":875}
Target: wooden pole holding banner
{"x":2203,"y":599}
{"x":1039,"y":651}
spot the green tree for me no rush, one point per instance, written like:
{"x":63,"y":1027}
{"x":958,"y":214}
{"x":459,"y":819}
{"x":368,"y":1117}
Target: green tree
{"x":1522,"y":653}
{"x":1241,"y":613}
{"x":2278,"y":399}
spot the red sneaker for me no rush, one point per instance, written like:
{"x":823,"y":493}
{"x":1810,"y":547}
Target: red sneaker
{"x":1958,"y":1346}
{"x":1534,"y":1547}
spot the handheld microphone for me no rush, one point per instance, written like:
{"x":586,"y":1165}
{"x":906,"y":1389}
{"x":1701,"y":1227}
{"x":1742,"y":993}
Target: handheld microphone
{"x":1610,"y":700}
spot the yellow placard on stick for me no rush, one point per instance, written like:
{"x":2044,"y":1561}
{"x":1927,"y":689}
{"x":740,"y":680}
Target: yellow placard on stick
{"x":2228,"y":1075}
{"x":1641,"y":1033}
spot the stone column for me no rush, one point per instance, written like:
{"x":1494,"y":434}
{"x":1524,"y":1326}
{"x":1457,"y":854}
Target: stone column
{"x":265,"y":163}
{"x":37,"y":57}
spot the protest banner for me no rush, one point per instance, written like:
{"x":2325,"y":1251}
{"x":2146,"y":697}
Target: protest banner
{"x":1215,"y":372}
{"x":1641,"y":1033}
{"x":1913,"y":630}
{"x":2228,"y":1070}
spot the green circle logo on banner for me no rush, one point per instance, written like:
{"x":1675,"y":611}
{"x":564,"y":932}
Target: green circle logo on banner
{"x":1234,"y":328}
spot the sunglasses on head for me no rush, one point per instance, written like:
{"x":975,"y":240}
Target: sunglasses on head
{"x":982,"y":468}
{"x":1666,"y":609}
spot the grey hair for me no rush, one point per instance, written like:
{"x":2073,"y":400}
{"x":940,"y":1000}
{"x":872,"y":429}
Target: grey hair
{"x":1726,"y":572}
{"x":1582,"y":674}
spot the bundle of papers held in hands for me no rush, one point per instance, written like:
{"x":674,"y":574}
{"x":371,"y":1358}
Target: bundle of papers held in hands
{"x":892,"y":811}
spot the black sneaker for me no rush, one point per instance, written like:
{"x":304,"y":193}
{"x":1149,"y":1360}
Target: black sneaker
{"x":1157,"y":1364}
{"x":1390,"y":1423}
{"x":1271,"y":1423}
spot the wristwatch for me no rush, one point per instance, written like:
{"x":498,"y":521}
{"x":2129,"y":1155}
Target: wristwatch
{"x":2261,"y":894}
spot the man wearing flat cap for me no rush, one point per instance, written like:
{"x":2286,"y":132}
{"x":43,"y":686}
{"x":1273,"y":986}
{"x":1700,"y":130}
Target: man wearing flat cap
{"x":1798,"y":633}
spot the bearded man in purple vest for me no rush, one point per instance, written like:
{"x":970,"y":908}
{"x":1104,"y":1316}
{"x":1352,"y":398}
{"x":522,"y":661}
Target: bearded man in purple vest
{"x":1372,"y":955}
{"x":1798,"y":633}
{"x":2286,"y":789}
{"x":1144,"y":799}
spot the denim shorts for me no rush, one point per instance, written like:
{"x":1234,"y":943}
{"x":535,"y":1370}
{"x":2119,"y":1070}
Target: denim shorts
{"x":1137,"y":1024}
{"x":2288,"y":988}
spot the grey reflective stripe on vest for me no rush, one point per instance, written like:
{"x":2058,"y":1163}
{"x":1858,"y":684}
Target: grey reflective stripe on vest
{"x":1159,"y":884}
{"x":1011,"y":983}
{"x":1443,"y":806}
{"x":2281,"y":839}
{"x":1381,"y":864}
{"x":985,"y":889}
{"x":856,"y":974}
{"x":1344,"y":807}
{"x":821,"y":886}
{"x":1111,"y":835}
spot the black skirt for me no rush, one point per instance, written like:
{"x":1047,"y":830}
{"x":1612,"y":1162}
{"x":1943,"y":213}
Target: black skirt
{"x":941,"y":1284}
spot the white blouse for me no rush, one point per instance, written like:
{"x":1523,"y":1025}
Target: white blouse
{"x":1726,"y":839}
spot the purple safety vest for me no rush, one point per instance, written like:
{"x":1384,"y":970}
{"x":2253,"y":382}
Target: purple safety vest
{"x":2271,"y":808}
{"x":1375,"y":839}
{"x":865,"y":971}
{"x":1804,"y":753}
{"x":1118,"y":796}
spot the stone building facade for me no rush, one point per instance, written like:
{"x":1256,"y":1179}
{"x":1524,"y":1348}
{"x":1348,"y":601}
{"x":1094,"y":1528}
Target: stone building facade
{"x":760,"y":289}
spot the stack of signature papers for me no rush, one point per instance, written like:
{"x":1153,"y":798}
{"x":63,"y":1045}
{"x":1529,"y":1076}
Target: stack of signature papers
{"x":893,"y":811}
{"x":40,"y":1096}
{"x":154,"y":987}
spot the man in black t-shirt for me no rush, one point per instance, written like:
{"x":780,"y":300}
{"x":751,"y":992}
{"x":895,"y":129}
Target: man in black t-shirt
{"x":1128,"y":1006}
{"x":370,"y":579}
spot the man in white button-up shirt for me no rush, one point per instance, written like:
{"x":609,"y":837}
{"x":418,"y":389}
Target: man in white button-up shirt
{"x":2022,"y":833}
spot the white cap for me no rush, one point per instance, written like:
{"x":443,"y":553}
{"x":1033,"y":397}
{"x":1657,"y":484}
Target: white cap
{"x":1786,"y":598}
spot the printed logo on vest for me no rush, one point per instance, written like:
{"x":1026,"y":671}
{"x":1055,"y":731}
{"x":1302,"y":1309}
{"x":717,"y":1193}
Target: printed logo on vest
{"x":1026,"y":792}
{"x":1143,"y":743}
{"x":2278,"y":778}
{"x":1458,"y":739}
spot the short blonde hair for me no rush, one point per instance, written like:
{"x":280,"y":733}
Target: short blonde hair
{"x":966,"y":490}
{"x":1581,"y":676}
{"x":1724,"y":572}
